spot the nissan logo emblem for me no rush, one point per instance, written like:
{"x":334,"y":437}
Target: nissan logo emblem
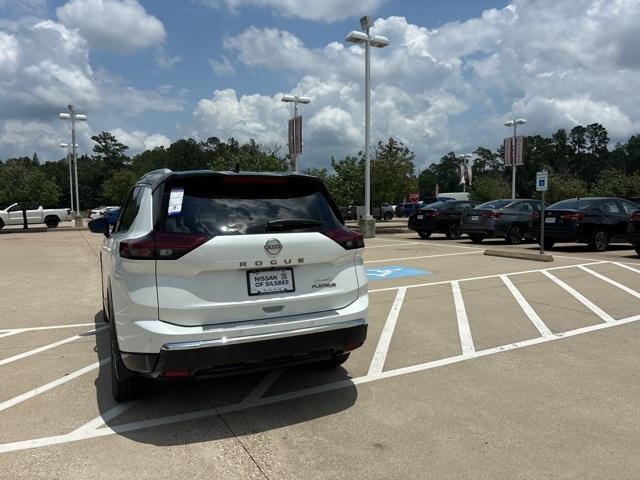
{"x":273,"y":246}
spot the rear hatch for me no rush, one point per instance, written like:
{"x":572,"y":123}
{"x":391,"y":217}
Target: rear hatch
{"x":259,"y":247}
{"x":564,"y":216}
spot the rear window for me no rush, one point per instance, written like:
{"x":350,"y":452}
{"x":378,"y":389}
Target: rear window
{"x":246,"y":205}
{"x":572,"y":204}
{"x":436,"y":205}
{"x":493,"y":205}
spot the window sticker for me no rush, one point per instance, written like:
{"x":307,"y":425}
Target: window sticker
{"x":175,"y":201}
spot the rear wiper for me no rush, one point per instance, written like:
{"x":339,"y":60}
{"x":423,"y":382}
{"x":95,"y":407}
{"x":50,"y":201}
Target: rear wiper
{"x":291,"y":224}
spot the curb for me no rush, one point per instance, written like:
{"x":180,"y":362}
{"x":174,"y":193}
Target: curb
{"x":545,"y":257}
{"x":23,"y":230}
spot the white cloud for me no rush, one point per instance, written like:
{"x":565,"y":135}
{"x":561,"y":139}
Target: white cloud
{"x":119,"y":25}
{"x":164,"y":59}
{"x":450,"y":88}
{"x":222,"y":67}
{"x":324,"y":10}
{"x":139,"y":141}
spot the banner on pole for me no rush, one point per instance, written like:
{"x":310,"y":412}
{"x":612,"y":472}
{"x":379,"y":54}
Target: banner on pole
{"x":295,"y":136}
{"x":513,"y":151}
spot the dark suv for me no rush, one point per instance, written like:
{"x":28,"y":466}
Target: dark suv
{"x":597,"y":221}
{"x":510,"y":219}
{"x":440,"y":217}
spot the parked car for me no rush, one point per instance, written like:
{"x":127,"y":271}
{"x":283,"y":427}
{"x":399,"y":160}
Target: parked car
{"x":98,"y":212}
{"x":221,"y":272}
{"x":410,"y":208}
{"x":511,"y":219}
{"x":51,"y":217}
{"x":349,"y":212}
{"x":454,"y":195}
{"x":597,"y":221}
{"x":440,"y":217}
{"x":112,"y":214}
{"x":633,"y":230}
{"x":383,"y":212}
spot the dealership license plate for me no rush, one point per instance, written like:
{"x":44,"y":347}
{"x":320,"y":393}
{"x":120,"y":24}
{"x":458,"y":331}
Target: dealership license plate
{"x":420,"y":217}
{"x":550,"y":220}
{"x":264,"y":282}
{"x":475,"y":218}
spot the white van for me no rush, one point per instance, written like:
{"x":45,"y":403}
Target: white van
{"x":454,"y":195}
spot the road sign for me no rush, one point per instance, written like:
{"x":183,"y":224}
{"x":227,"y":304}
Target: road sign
{"x":295,"y":136}
{"x":542,"y":181}
{"x":514,"y":147}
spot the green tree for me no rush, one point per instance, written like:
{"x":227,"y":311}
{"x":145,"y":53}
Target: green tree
{"x":347,"y":186}
{"x":487,"y":188}
{"x":108,"y":149}
{"x":392,"y":172}
{"x":561,"y":188}
{"x":118,"y":185}
{"x":28,"y":186}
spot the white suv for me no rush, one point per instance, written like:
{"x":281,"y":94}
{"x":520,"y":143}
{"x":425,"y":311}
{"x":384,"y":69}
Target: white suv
{"x":215,"y":272}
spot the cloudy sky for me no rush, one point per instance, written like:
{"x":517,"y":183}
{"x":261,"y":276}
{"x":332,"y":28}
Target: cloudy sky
{"x":154,"y":71}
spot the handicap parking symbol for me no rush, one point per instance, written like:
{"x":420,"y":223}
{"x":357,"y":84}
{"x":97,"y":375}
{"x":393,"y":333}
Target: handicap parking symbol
{"x":394,"y":271}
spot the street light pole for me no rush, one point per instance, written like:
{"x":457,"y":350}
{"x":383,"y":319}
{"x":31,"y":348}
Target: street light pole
{"x":68,"y":147}
{"x":73,"y":117}
{"x":295,"y":99}
{"x":514,"y":123}
{"x":368,"y":224}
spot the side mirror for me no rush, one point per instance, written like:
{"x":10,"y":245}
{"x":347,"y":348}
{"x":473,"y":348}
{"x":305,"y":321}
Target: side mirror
{"x":100,"y":225}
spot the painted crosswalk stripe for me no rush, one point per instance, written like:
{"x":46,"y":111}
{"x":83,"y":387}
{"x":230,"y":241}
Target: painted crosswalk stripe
{"x":466,"y":340}
{"x":380,"y":355}
{"x":526,"y":307}
{"x":581,"y":298}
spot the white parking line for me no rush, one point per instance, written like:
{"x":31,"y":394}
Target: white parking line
{"x":105,"y":417}
{"x":484,"y":277}
{"x":263,"y":386}
{"x":620,"y":264}
{"x":422,"y":256}
{"x":612,"y":282}
{"x":10,"y":332}
{"x":209,"y":412}
{"x":392,"y":245}
{"x":380,"y":355}
{"x":466,"y":340}
{"x":49,"y":346}
{"x":526,"y":307}
{"x":51,"y":327}
{"x":44,"y":388}
{"x":581,"y":298}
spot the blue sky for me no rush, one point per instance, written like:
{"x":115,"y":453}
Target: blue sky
{"x":155,"y":71}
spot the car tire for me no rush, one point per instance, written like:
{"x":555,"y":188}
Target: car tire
{"x":424,"y":235}
{"x":637,"y":249}
{"x":1,"y":224}
{"x":599,"y":241}
{"x":387,"y":216}
{"x":125,"y":385}
{"x":453,"y":232}
{"x":515,"y":234}
{"x":476,"y":237}
{"x":51,"y":222}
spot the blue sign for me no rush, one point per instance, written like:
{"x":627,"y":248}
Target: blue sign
{"x":394,"y":271}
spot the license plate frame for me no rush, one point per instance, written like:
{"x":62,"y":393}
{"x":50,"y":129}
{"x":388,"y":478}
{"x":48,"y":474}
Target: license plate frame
{"x":474,"y":218}
{"x":550,"y":220}
{"x":420,"y":217}
{"x":254,"y":291}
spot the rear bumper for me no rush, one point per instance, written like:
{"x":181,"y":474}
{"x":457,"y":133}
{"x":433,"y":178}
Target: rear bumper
{"x":219,"y":357}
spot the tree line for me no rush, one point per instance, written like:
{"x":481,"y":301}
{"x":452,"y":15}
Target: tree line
{"x":579,"y":161}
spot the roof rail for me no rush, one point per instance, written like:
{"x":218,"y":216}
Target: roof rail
{"x":149,"y":177}
{"x":157,"y":171}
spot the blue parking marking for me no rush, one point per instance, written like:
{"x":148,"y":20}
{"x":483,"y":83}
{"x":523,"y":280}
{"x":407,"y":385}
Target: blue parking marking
{"x":394,"y":271}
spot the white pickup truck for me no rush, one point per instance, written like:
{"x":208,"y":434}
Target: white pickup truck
{"x":12,"y":215}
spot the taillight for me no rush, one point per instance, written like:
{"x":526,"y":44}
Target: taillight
{"x":492,"y":214}
{"x":572,"y":216}
{"x":161,"y":246}
{"x":432,"y":213}
{"x":535,"y":216}
{"x":635,"y":216}
{"x":347,"y":239}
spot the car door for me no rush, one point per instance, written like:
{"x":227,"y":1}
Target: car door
{"x":15,"y":215}
{"x":613,"y":219}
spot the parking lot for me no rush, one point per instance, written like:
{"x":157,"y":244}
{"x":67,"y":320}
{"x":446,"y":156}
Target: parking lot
{"x":474,"y":367}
